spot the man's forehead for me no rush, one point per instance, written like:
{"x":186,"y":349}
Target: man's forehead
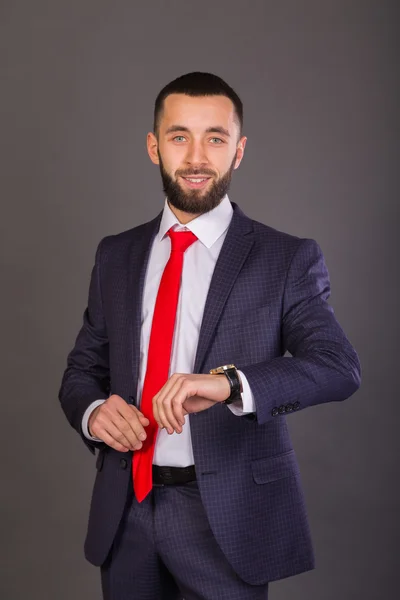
{"x":198,"y":109}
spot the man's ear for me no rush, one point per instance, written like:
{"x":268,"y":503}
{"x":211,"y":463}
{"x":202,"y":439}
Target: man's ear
{"x":240,"y":151}
{"x":152,"y":147}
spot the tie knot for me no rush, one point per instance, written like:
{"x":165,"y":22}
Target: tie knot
{"x":181,"y":240}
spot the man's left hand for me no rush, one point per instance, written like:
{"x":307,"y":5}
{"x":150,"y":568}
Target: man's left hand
{"x":186,"y":393}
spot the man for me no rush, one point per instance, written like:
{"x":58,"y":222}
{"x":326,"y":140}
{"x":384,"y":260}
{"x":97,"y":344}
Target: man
{"x":198,"y":493}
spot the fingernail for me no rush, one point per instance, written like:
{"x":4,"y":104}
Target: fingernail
{"x":142,"y":436}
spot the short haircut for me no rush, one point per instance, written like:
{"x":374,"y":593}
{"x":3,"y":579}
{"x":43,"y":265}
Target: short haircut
{"x":198,"y":84}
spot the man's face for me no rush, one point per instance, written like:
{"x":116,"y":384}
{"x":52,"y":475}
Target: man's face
{"x":197,"y":149}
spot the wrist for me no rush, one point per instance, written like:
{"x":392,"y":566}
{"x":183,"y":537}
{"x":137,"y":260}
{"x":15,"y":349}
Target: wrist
{"x":233,"y":380}
{"x":226,"y":388}
{"x":90,"y":421}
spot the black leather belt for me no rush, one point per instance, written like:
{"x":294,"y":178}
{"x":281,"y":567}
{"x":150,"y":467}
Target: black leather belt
{"x":173,"y":475}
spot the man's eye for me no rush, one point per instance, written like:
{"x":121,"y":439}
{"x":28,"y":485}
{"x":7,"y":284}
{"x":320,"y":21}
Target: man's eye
{"x":179,"y":138}
{"x":218,"y":140}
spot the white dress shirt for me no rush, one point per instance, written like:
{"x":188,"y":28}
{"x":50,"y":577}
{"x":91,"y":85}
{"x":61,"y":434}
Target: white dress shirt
{"x":175,"y":450}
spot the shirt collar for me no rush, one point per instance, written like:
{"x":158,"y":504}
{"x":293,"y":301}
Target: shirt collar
{"x":207,"y":227}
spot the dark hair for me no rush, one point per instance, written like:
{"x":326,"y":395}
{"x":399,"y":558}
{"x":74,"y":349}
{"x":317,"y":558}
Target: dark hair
{"x":198,"y":84}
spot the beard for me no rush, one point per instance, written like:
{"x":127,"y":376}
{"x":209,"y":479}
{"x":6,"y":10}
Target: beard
{"x":195,"y":201}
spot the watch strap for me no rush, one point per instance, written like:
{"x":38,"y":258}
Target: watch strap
{"x":232,"y":376}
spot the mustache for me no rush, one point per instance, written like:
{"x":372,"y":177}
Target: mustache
{"x":204,"y":172}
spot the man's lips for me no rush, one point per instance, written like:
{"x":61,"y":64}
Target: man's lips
{"x":196,"y":181}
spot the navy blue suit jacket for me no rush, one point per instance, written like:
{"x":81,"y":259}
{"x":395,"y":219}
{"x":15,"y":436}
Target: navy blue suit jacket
{"x":268,"y":295}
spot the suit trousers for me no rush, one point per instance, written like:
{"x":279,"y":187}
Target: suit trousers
{"x":165,"y":550}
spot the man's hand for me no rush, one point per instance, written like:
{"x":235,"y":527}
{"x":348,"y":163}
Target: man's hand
{"x":187,"y":393}
{"x":118,"y":424}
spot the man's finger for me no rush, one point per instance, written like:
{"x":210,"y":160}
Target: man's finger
{"x":144,"y":420}
{"x":124,"y":423}
{"x":182,"y":394}
{"x":173,"y":405}
{"x":130,"y":415}
{"x":156,"y":413}
{"x":131,"y":430}
{"x":162,"y":419}
{"x":122,"y":435}
{"x":110,"y":441}
{"x":102,"y":424}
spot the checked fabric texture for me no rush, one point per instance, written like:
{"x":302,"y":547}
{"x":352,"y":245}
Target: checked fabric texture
{"x":159,"y":355}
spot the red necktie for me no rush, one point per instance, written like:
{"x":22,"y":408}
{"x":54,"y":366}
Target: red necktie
{"x":159,"y":355}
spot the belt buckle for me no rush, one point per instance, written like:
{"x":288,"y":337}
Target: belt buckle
{"x":167,"y":475}
{"x":163,"y":472}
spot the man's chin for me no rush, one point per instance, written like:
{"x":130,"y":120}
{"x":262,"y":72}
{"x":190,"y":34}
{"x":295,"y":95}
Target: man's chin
{"x":196,"y":202}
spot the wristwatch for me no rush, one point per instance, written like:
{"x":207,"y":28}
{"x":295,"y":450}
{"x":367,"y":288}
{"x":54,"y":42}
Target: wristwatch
{"x":232,"y":376}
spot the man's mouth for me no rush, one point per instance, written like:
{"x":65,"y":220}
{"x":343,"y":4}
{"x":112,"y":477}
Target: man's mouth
{"x":196,"y":182}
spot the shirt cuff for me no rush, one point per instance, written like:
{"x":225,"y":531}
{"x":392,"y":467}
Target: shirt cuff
{"x":85,"y":420}
{"x":247,"y":404}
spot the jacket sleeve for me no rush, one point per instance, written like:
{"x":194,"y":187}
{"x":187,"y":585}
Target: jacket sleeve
{"x":87,"y":376}
{"x":323,"y":366}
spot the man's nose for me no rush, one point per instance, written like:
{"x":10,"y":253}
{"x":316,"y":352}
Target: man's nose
{"x":196,"y":155}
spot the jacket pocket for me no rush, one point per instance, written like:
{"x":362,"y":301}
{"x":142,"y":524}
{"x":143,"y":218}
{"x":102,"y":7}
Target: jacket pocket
{"x":273,"y":468}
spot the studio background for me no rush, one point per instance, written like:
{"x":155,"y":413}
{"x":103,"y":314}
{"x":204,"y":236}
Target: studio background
{"x":319,"y":83}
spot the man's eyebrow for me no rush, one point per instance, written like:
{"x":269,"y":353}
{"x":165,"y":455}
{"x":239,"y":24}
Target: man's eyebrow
{"x":174,"y":128}
{"x":216,"y":129}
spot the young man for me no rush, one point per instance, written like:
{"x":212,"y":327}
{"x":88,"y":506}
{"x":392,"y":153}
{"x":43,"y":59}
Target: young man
{"x":178,"y":375}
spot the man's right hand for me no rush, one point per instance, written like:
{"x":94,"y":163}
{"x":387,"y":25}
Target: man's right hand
{"x":118,"y":424}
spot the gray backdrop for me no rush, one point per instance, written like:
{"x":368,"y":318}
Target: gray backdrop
{"x":319,"y":84}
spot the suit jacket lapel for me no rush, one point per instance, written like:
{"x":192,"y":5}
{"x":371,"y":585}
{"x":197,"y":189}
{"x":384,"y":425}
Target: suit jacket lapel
{"x":235,"y":249}
{"x":138,"y":261}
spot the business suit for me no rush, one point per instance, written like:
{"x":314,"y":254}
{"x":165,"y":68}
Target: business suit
{"x":268,"y":293}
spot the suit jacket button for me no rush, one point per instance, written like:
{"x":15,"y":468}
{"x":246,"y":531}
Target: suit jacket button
{"x":281,"y":409}
{"x":123,"y":463}
{"x":296,"y":406}
{"x":289,"y":407}
{"x":274,"y":411}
